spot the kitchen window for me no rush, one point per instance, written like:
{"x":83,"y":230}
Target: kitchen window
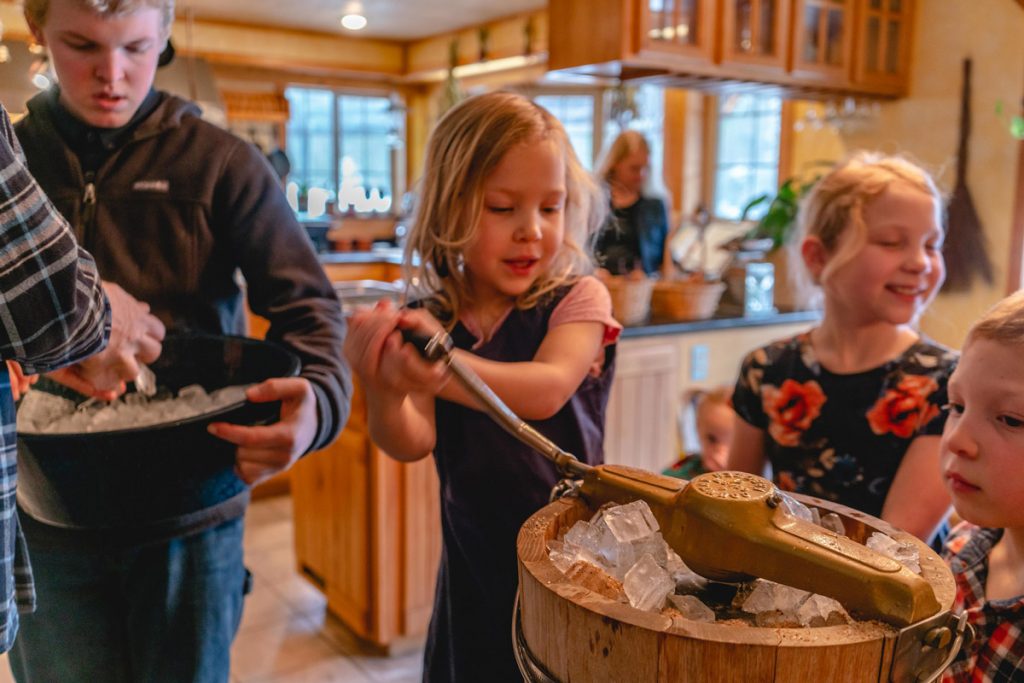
{"x":649,"y":119}
{"x":576,"y":113}
{"x":341,"y":146}
{"x":747,"y":159}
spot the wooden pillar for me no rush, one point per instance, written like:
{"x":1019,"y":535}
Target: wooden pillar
{"x":674,"y":150}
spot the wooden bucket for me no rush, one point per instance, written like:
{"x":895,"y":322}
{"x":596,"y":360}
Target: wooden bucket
{"x":567,"y":633}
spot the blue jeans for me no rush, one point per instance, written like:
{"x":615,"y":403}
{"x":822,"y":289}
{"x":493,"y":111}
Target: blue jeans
{"x":149,"y":614}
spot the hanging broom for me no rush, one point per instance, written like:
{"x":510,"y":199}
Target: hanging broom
{"x":965,"y":249}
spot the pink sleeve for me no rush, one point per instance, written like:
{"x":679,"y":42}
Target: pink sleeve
{"x":588,"y":301}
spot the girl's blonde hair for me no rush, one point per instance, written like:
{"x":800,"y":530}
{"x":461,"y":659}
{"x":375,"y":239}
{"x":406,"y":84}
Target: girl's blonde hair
{"x":466,"y":146}
{"x":836,"y":202}
{"x":37,"y":10}
{"x":1003,"y":323}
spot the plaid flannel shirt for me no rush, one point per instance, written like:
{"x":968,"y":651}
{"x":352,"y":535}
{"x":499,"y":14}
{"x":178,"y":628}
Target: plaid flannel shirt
{"x":52,"y":313}
{"x":997,"y":653}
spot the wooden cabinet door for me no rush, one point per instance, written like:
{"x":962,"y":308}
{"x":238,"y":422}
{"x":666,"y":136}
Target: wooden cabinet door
{"x":676,"y":28}
{"x":882,"y":54}
{"x":640,"y":427}
{"x":822,"y":41}
{"x":755,"y":34}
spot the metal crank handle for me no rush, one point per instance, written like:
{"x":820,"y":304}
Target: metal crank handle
{"x":439,"y":348}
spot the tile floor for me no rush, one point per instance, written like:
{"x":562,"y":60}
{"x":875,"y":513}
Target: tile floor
{"x":286,"y":635}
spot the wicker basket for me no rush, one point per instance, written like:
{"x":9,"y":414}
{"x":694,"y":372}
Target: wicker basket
{"x":631,"y":298}
{"x":686,"y":299}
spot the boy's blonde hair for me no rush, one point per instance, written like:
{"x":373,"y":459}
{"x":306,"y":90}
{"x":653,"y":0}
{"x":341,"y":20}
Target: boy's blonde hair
{"x":836,"y":202}
{"x":1003,"y":323}
{"x":37,"y":10}
{"x":715,"y":396}
{"x":464,"y":149}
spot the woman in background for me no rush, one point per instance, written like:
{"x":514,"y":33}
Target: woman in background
{"x":635,"y":233}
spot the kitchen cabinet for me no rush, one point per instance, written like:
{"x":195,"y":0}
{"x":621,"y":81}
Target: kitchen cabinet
{"x":882,"y":54}
{"x":755,"y":35}
{"x":802,"y":48}
{"x":368,"y":534}
{"x":656,"y":364}
{"x":822,"y":40}
{"x":628,"y":38}
{"x":681,"y":28}
{"x":367,"y":527}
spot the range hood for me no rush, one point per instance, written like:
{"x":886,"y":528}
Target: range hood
{"x":192,"y":79}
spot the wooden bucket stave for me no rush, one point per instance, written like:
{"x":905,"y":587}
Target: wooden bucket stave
{"x":578,"y":635}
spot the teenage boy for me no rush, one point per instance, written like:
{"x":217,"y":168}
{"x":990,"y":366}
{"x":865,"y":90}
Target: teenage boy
{"x":171,"y":208}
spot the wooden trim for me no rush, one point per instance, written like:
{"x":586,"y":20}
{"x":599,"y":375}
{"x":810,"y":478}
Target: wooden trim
{"x":709,"y":153}
{"x":786,"y":140}
{"x":674,"y":150}
{"x":1014,"y":272}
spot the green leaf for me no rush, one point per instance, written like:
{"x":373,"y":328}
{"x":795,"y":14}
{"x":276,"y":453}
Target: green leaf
{"x":1017,"y":127}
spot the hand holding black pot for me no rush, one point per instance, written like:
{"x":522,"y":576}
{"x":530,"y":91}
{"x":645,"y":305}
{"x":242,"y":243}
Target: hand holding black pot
{"x":135,"y":337}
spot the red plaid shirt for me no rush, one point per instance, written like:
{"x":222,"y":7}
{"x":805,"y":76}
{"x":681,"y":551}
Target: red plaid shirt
{"x":997,"y":653}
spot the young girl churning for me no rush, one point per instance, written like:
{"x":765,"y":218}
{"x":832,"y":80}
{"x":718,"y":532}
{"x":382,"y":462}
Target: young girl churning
{"x":848,"y":411}
{"x":505,"y":211}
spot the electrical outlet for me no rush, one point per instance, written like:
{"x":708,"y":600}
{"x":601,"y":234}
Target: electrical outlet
{"x":699,"y":359}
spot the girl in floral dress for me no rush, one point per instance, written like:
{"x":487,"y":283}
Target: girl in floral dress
{"x":850,"y":410}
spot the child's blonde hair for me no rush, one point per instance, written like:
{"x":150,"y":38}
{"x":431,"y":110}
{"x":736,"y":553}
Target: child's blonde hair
{"x":1003,"y":323}
{"x":466,"y":146}
{"x":720,"y":395}
{"x":837,"y":201}
{"x":36,"y":11}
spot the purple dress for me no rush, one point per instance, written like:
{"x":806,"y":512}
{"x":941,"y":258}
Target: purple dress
{"x":490,"y":484}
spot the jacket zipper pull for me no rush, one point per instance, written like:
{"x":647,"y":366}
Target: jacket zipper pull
{"x":88,"y":202}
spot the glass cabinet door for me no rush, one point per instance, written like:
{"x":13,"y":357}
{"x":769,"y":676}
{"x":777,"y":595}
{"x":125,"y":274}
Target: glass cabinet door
{"x":755,"y":32}
{"x":679,"y":26}
{"x":883,"y":44}
{"x":822,"y":38}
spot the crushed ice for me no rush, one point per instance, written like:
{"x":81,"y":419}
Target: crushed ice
{"x":41,"y":412}
{"x":620,"y":553}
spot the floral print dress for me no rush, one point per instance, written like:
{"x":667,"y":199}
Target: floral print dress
{"x":841,"y":437}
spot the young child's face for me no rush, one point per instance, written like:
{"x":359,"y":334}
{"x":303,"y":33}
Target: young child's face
{"x":105,"y":64}
{"x":521,"y":226}
{"x":983,"y":442}
{"x":894,"y":275}
{"x":714,"y":429}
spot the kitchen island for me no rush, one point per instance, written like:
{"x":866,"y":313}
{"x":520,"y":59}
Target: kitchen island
{"x":367,"y":528}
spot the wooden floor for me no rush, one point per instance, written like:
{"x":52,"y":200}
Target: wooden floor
{"x":286,"y":635}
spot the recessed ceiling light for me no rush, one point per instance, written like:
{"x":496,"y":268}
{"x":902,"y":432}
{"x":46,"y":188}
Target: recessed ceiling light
{"x":353,"y":22}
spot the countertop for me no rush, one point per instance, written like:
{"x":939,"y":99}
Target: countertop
{"x":650,"y":328}
{"x":392,"y":255}
{"x":721,"y":321}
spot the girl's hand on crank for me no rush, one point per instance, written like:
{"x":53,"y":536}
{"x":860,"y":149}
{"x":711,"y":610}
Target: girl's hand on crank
{"x":368,"y":332}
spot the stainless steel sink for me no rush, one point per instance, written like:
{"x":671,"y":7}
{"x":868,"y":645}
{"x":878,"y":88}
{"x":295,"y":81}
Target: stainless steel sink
{"x":354,"y":293}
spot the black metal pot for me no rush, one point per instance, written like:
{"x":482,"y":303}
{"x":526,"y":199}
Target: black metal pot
{"x":151,"y":475}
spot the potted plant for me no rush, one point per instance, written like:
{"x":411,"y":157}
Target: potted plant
{"x":778,"y":224}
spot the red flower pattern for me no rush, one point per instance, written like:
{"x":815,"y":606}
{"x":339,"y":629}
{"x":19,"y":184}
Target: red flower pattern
{"x":905,"y":409}
{"x":791,"y":409}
